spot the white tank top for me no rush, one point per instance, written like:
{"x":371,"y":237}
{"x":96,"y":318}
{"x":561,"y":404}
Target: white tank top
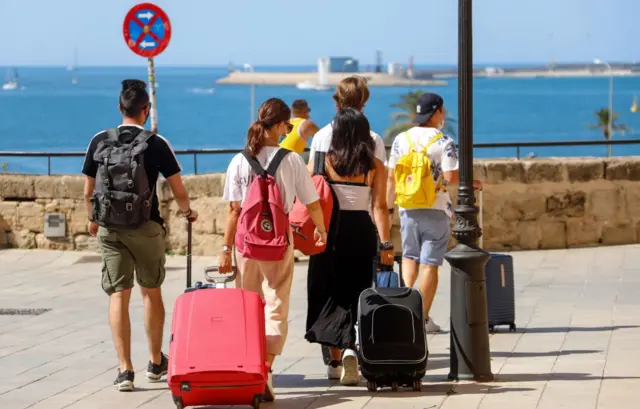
{"x":353,"y":195}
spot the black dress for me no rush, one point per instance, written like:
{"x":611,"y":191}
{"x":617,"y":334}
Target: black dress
{"x":337,"y":276}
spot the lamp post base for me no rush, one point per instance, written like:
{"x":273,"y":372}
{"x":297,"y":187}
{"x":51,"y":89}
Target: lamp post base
{"x":470,"y":356}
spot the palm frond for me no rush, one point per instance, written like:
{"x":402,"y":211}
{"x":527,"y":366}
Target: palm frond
{"x":401,"y":116}
{"x":394,"y":130}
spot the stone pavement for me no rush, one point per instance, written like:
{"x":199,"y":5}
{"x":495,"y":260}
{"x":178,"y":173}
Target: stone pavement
{"x":577,"y":344}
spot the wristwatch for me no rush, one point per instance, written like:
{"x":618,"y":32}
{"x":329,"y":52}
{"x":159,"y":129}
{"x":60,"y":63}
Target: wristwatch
{"x":386,"y":245}
{"x":226,"y":249}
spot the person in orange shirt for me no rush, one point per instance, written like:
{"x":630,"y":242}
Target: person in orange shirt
{"x":303,"y":127}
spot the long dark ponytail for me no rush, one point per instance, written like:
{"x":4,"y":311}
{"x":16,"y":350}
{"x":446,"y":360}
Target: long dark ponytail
{"x":271,"y":112}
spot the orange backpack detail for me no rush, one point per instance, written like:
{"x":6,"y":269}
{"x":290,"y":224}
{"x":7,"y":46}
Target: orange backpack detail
{"x":301,"y":224}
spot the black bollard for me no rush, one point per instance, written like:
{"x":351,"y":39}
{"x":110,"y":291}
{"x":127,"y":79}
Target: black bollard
{"x":469,"y":350}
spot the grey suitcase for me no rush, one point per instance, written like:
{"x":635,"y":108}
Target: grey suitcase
{"x":500,"y":286}
{"x":501,"y":306}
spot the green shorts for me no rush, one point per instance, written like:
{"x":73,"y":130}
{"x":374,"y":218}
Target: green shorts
{"x":124,"y":250}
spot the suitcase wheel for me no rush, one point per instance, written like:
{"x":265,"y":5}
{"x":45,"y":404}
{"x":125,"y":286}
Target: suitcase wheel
{"x":512,"y":327}
{"x":417,"y":385}
{"x":257,"y":400}
{"x":371,"y":386}
{"x":394,"y":386}
{"x":492,"y":328}
{"x":178,"y":402}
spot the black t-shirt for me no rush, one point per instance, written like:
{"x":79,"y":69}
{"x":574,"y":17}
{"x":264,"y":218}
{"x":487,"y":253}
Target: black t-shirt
{"x":158,"y":158}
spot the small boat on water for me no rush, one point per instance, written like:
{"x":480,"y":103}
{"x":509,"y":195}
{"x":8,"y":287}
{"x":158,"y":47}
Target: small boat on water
{"x":323,"y":78}
{"x":12,"y":81}
{"x":634,"y":106}
{"x":310,"y":86}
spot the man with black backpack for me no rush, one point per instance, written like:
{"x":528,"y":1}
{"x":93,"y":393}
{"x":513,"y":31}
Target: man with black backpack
{"x":121,"y":169}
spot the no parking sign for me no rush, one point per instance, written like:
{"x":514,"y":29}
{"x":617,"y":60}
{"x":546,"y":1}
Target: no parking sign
{"x":147,"y":32}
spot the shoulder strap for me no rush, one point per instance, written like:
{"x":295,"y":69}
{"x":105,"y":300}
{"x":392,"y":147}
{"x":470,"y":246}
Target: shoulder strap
{"x":253,"y":162}
{"x":433,"y":140}
{"x":113,"y":134}
{"x":275,"y":162}
{"x":411,"y":146}
{"x":319,"y":163}
{"x":143,"y":136}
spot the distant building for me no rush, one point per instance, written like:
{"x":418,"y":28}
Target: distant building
{"x":343,"y":64}
{"x":396,"y":70}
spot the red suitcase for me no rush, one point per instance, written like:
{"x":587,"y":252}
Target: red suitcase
{"x":218,"y":345}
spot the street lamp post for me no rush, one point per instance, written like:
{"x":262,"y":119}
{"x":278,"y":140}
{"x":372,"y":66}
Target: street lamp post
{"x":252,"y":105}
{"x":610,"y":122}
{"x":469,"y":337}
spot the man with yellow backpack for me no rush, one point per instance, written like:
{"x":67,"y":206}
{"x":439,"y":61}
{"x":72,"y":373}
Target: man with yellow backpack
{"x":422,"y":162}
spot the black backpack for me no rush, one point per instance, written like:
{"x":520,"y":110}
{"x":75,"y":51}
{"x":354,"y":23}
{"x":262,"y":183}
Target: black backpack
{"x":122,"y":196}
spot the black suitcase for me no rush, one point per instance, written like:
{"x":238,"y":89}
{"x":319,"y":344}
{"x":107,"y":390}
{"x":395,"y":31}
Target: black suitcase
{"x":500,"y":287}
{"x":392,"y":336}
{"x":326,"y":352}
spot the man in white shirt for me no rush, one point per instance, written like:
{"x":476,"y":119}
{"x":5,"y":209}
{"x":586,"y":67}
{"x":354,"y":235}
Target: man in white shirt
{"x":352,"y":92}
{"x":425,"y":232}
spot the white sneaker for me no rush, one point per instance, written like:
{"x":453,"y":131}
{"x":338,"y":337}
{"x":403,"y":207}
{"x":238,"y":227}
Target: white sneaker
{"x":432,"y":327}
{"x":334,"y":370}
{"x":269,"y":393}
{"x":350,"y":375}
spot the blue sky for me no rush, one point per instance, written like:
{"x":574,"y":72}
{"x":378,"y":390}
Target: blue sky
{"x":288,"y":32}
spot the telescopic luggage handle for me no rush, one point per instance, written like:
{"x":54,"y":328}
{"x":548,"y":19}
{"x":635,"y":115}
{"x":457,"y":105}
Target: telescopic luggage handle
{"x":189,"y":230}
{"x":219,"y":280}
{"x":480,"y":219}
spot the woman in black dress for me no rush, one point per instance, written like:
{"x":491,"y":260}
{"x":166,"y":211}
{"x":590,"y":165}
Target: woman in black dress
{"x":338,"y":276}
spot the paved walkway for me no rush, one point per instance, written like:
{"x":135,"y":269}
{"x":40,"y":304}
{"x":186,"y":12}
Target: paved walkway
{"x":577,"y":344}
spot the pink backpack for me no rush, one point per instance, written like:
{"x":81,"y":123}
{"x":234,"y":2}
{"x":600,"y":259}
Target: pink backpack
{"x":263,"y":226}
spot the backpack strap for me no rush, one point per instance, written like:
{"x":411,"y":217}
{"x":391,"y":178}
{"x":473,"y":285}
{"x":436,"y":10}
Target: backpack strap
{"x":143,"y":137}
{"x":113,"y":134}
{"x":319,"y":164}
{"x":439,"y":185}
{"x":253,"y":162}
{"x":411,"y":146}
{"x":275,"y":162}
{"x":433,"y":140}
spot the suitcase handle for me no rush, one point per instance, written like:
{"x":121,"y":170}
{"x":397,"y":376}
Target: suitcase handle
{"x":221,"y":279}
{"x":189,"y":245}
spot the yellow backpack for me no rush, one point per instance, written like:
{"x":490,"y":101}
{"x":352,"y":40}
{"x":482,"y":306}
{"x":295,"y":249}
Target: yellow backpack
{"x":415,"y":187}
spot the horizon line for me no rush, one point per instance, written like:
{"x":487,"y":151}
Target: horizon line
{"x":206,"y":65}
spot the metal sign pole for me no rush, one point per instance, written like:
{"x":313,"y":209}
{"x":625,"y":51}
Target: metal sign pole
{"x":152,"y":96}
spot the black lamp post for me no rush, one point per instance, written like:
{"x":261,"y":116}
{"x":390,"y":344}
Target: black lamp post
{"x":469,"y":350}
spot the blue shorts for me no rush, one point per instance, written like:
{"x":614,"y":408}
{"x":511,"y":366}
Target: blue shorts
{"x":425,"y":235}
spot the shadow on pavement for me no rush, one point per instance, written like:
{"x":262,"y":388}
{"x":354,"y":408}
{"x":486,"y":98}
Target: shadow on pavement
{"x":503,"y":354}
{"x":555,"y":376}
{"x":301,"y":398}
{"x":551,"y":330}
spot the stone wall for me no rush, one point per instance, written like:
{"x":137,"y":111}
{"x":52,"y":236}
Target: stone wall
{"x":528,"y":204}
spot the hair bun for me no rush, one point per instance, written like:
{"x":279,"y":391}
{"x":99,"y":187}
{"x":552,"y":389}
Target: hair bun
{"x":133,"y":85}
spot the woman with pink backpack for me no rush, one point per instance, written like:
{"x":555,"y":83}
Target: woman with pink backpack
{"x":261,"y":185}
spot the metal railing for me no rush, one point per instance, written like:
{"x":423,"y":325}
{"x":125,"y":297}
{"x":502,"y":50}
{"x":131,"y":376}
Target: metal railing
{"x":195,"y":152}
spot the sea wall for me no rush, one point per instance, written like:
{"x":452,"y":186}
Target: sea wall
{"x":528,"y":205}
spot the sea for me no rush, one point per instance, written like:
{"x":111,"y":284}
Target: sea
{"x":51,"y":113}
